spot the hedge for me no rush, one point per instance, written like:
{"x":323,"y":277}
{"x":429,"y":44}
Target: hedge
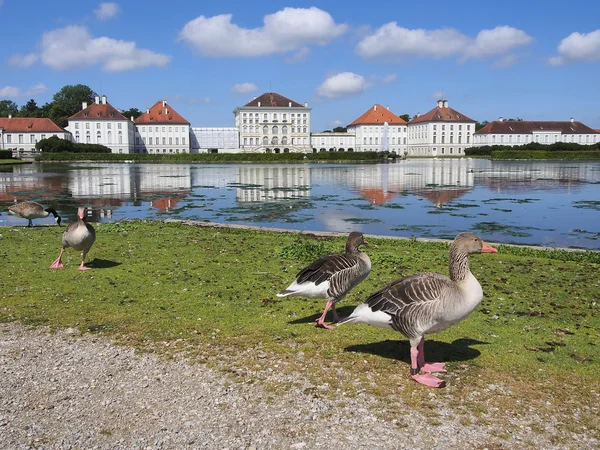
{"x":5,"y":154}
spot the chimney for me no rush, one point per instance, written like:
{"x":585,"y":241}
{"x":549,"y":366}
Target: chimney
{"x":97,"y":100}
{"x":104,"y":99}
{"x":147,"y":110}
{"x":289,"y":104}
{"x":164,"y":103}
{"x":445,"y":103}
{"x":440,"y":103}
{"x":572,"y":119}
{"x":83,"y":105}
{"x":374,"y":107}
{"x":501,"y":119}
{"x":259,"y":104}
{"x":10,"y":116}
{"x":132,"y":119}
{"x":418,"y":114}
{"x":306,"y":104}
{"x":387,"y":107}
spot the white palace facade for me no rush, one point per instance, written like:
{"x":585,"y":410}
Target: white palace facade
{"x":272,"y":123}
{"x":519,"y":132}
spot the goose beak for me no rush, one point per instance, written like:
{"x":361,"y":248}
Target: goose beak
{"x":487,"y":248}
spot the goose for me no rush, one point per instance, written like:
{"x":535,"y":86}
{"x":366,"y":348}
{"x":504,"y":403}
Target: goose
{"x":32,"y":210}
{"x":332,"y":276}
{"x":79,"y":235}
{"x":425,"y":303}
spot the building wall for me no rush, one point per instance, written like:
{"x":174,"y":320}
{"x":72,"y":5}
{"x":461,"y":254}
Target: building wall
{"x":374,"y":138}
{"x":162,"y":138}
{"x":440,"y":138}
{"x":542,"y":137}
{"x":114,"y":134}
{"x":215,"y":139}
{"x":333,"y":141}
{"x":22,"y":142}
{"x":263,"y":128}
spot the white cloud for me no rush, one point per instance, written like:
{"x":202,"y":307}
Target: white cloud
{"x":244,"y":88}
{"x":39,"y":88}
{"x":389,"y":78}
{"x":578,"y":47}
{"x":10,"y":92}
{"x":284,"y":31}
{"x":507,"y":61}
{"x":15,"y":92}
{"x":107,"y":11}
{"x":391,"y":41}
{"x":343,"y":84}
{"x":497,"y":41}
{"x":298,"y":57}
{"x":72,"y":47}
{"x":23,"y":61}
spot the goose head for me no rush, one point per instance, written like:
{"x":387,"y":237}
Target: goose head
{"x":470,"y":243}
{"x":355,"y":240}
{"x":52,"y":211}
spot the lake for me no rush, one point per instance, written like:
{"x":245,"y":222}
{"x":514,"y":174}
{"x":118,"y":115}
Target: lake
{"x":549,"y":203}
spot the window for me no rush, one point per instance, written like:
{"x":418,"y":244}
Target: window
{"x":8,"y":139}
{"x":120,"y":137}
{"x":176,"y":141}
{"x":164,"y":140}
{"x":108,"y":125}
{"x":43,"y":136}
{"x":170,"y":141}
{"x":164,"y":129}
{"x":87,"y":126}
{"x":20,"y":139}
{"x":265,"y":129}
{"x":284,"y":129}
{"x":110,"y":137}
{"x":434,"y":139}
{"x":119,"y":125}
{"x":155,"y":128}
{"x":32,"y":138}
{"x":77,"y":125}
{"x":275,"y":130}
{"x":149,"y":141}
{"x":182,"y":141}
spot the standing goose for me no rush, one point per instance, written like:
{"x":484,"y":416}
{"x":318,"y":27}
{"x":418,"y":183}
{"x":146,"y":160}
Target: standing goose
{"x":79,"y":235}
{"x":425,"y":303}
{"x":332,"y":276}
{"x":32,"y":210}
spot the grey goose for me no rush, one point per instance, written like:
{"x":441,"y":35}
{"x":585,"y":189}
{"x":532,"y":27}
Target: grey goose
{"x":332,"y":276}
{"x":80,"y":236}
{"x":425,"y":303}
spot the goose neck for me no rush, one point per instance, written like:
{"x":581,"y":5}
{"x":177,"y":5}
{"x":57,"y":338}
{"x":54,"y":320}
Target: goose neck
{"x":459,"y":265}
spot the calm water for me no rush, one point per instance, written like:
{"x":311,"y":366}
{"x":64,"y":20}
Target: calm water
{"x":555,"y":204}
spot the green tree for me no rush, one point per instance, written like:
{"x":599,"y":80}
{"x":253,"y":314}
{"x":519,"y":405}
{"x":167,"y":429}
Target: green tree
{"x":132,"y":112}
{"x":406,"y":117}
{"x":480,"y":125}
{"x":8,"y":107}
{"x":67,"y":102}
{"x":30,"y":109}
{"x":340,"y":129}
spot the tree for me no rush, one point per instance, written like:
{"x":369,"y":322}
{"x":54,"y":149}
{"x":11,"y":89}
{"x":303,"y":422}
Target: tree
{"x":405,"y":117}
{"x":340,"y":130}
{"x":8,"y":107}
{"x":30,"y":109}
{"x":479,"y":126}
{"x":67,"y":102}
{"x":132,"y":112}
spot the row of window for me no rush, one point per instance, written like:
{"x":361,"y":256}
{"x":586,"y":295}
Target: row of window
{"x":99,"y":140}
{"x":148,"y":141}
{"x":164,"y":129}
{"x":443,"y":141}
{"x":21,"y":137}
{"x":376,"y":142}
{"x":468,"y":127}
{"x":265,"y":115}
{"x":537,"y":138}
{"x":274,"y":141}
{"x":98,"y":125}
{"x":274,"y":129}
{"x":251,"y":121}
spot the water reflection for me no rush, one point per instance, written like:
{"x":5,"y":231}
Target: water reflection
{"x":550,"y":203}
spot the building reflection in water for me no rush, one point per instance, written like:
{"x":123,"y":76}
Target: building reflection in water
{"x":265,"y":184}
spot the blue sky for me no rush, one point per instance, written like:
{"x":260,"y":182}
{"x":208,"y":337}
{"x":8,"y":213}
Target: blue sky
{"x":530,"y":59}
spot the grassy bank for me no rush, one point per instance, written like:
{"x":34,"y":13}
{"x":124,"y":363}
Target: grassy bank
{"x":218,"y":157}
{"x":532,"y":346}
{"x":6,"y":162}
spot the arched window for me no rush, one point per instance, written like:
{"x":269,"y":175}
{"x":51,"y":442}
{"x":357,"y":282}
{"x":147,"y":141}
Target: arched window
{"x":77,"y":137}
{"x":275,"y":130}
{"x":245,"y":128}
{"x":265,"y":130}
{"x":284,"y":140}
{"x":120,"y":137}
{"x":265,"y":141}
{"x":110,"y":137}
{"x":274,"y":141}
{"x":284,"y":129}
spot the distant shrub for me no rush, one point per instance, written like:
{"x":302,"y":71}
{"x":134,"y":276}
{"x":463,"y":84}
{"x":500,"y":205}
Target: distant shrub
{"x":5,"y":154}
{"x":55,"y":144}
{"x":486,"y":150}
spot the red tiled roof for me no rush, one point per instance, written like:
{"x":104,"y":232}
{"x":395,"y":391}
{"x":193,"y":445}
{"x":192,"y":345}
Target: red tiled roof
{"x":29,"y":125}
{"x":273,"y":99}
{"x":161,"y":112}
{"x":99,"y":111}
{"x":528,"y":127}
{"x":442,"y":114}
{"x":378,"y":115}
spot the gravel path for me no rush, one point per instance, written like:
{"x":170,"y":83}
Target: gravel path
{"x":68,"y":391}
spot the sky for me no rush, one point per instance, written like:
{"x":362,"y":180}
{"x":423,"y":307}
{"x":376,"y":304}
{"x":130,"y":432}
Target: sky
{"x":517,"y":59}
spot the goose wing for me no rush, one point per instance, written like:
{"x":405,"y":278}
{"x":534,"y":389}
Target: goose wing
{"x":326,"y":267}
{"x":412,"y":301}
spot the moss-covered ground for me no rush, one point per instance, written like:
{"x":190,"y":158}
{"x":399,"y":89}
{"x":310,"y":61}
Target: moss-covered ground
{"x":209,"y":293}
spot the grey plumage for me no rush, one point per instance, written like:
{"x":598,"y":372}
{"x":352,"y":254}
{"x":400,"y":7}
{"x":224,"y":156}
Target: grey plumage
{"x":332,"y":276}
{"x":80,"y":236}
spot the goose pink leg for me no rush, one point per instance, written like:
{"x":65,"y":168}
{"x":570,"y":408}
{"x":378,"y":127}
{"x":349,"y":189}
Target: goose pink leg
{"x":428,"y":367}
{"x":321,"y":320}
{"x":426,"y":379}
{"x":83,"y":266}
{"x":57,"y":264}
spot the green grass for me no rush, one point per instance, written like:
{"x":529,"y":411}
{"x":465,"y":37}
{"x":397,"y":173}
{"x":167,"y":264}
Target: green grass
{"x":209,"y":293}
{"x":13,"y":161}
